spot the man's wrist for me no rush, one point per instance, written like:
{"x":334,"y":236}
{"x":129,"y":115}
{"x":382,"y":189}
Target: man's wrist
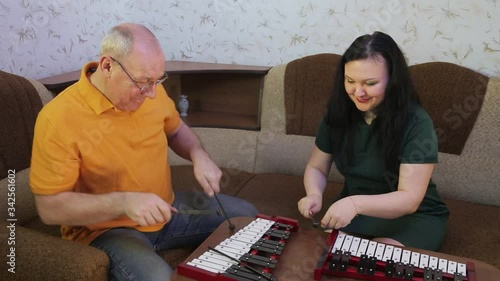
{"x":117,"y":201}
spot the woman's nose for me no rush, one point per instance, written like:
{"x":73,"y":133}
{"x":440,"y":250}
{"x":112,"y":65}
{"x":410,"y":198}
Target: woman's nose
{"x":359,"y":92}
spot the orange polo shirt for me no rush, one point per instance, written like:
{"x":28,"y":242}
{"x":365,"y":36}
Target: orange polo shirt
{"x":82,"y":143}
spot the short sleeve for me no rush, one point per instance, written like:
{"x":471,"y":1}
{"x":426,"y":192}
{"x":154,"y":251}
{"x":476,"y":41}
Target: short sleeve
{"x":54,"y":162}
{"x":420,"y":142}
{"x":323,"y":138}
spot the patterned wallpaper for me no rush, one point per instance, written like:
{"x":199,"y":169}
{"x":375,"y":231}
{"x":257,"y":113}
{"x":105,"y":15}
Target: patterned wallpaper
{"x":40,"y":38}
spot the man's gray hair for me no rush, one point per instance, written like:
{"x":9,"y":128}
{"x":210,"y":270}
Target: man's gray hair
{"x":119,"y":41}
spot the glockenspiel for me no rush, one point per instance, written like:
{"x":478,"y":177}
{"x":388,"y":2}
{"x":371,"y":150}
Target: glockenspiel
{"x":249,"y":254}
{"x":358,"y":258}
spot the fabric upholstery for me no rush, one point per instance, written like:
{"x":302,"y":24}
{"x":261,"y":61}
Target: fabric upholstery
{"x":228,"y":148}
{"x":25,"y":204}
{"x":308,"y":87}
{"x":283,"y":190}
{"x":40,"y":256}
{"x":44,"y":93}
{"x":473,"y":175}
{"x":19,"y":106}
{"x":231,"y":183}
{"x":453,"y":96}
{"x":472,"y":227}
{"x":273,"y":140}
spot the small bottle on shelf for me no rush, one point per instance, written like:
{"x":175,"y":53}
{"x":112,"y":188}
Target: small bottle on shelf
{"x":183,"y":105}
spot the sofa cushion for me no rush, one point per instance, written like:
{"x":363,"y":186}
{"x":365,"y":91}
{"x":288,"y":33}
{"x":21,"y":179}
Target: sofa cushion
{"x":56,"y":259}
{"x":278,"y":195}
{"x":232,"y":180}
{"x":25,"y":209}
{"x":471,"y":227}
{"x":38,"y":225}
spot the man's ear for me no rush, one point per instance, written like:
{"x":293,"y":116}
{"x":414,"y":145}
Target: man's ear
{"x":105,"y":65}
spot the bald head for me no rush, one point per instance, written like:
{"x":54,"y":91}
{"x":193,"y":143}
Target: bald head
{"x":121,"y":40}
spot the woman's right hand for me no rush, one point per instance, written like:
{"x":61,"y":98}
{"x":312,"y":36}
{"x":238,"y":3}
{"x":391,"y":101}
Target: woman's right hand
{"x":311,"y":204}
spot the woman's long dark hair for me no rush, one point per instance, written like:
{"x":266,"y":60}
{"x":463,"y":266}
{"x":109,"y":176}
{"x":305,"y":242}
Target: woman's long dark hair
{"x":392,"y":113}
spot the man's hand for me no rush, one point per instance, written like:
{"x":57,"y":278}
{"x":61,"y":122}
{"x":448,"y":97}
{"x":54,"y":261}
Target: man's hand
{"x":187,"y":145}
{"x":207,"y":173}
{"x":146,"y":208}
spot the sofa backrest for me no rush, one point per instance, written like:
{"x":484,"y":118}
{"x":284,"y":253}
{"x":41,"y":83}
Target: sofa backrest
{"x":453,"y":96}
{"x":307,"y":90}
{"x":465,"y":108}
{"x":291,"y":114}
{"x":19,"y":106}
{"x":469,"y":147}
{"x":21,"y":100}
{"x":474,"y":175}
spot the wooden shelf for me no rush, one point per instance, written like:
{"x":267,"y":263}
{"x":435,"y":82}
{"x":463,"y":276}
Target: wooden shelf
{"x":172,"y":67}
{"x":221,"y":120}
{"x":219,"y":95}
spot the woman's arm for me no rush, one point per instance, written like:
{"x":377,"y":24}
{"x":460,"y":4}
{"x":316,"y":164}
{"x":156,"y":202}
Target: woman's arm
{"x":413,"y":182}
{"x":315,"y":179}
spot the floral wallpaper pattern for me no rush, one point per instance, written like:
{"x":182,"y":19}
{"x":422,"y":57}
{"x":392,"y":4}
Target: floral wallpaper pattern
{"x":41,"y":38}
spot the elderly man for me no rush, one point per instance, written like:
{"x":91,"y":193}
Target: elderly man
{"x":99,"y":164}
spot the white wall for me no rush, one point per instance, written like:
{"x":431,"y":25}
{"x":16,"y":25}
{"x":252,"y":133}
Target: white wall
{"x":40,"y":38}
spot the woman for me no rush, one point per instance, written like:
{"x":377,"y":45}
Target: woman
{"x":383,"y":142}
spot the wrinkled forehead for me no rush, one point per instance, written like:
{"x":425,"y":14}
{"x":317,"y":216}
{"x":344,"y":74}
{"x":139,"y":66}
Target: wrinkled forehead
{"x":146,"y":62}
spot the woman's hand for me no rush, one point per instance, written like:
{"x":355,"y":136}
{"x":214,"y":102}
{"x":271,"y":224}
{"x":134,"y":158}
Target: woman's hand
{"x":340,"y":213}
{"x":310,"y":204}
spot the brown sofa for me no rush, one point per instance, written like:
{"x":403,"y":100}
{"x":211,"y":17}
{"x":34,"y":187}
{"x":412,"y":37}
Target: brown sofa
{"x":265,"y":167}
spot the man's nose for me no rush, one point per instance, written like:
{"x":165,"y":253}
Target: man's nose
{"x":150,"y":92}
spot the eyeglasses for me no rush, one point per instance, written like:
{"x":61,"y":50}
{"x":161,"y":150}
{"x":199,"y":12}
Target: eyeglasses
{"x":148,"y":85}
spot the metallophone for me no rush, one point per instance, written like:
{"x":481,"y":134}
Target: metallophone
{"x":250,"y":254}
{"x":354,"y":257}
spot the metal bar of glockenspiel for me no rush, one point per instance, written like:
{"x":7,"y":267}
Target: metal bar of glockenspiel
{"x":242,"y":264}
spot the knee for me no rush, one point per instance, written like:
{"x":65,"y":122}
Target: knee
{"x":386,"y":240}
{"x":163,"y":273}
{"x":243,"y":208}
{"x":152,"y":268}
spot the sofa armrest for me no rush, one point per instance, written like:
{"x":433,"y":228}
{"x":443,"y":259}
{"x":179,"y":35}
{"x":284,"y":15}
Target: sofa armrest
{"x":45,"y":94}
{"x":39,"y":256}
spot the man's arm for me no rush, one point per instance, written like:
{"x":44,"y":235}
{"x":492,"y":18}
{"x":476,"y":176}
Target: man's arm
{"x":73,"y":208}
{"x":184,"y":142}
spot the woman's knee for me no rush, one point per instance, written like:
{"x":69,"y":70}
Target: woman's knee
{"x":390,"y":241}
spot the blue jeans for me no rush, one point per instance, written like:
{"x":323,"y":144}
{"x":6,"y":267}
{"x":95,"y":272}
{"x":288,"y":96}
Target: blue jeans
{"x":132,"y":253}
